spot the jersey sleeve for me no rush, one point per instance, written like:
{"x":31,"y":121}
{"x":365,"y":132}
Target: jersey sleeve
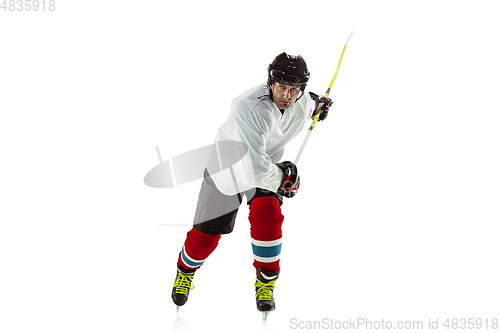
{"x":258,"y":168}
{"x":276,"y":157}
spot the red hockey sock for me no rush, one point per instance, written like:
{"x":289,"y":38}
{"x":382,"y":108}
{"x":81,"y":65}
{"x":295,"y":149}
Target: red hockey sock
{"x":266,"y":220}
{"x":196,"y":249}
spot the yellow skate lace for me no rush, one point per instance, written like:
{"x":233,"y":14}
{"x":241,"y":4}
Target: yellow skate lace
{"x":264,"y":291}
{"x":183,"y":283}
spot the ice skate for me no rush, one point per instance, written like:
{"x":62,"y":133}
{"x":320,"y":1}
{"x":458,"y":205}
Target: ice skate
{"x":264,"y":286}
{"x":183,"y":284}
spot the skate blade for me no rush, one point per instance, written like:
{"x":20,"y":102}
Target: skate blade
{"x":265,"y":314}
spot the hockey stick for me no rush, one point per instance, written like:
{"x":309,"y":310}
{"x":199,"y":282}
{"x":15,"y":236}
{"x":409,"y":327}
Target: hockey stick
{"x":315,"y":119}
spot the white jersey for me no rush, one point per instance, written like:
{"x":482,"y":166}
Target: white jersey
{"x":256,"y":122}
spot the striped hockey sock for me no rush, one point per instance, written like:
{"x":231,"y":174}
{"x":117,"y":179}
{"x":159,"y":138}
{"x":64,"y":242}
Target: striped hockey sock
{"x":267,"y":254}
{"x":266,"y":220}
{"x":197,"y":247}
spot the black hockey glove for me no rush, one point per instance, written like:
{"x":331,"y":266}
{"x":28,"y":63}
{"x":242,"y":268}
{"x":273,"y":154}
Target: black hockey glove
{"x":291,"y":180}
{"x":322,"y":105}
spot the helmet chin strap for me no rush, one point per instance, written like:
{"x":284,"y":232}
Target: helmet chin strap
{"x":302,"y":94}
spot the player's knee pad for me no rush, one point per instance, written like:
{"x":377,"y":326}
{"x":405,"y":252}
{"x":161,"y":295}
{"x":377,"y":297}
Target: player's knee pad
{"x":197,"y":247}
{"x":265,"y":218}
{"x":201,"y":242}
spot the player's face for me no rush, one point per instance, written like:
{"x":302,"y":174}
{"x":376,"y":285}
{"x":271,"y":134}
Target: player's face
{"x":284,"y":96}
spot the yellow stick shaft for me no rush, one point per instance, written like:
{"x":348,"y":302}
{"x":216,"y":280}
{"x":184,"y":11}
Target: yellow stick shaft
{"x":332,"y":82}
{"x":315,"y":119}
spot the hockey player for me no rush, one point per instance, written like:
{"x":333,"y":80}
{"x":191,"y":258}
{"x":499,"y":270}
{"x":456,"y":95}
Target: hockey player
{"x":264,"y":119}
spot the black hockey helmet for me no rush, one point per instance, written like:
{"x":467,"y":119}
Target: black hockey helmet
{"x":288,"y":69}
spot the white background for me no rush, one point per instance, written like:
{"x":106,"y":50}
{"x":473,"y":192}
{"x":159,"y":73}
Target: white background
{"x":398,"y":212}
